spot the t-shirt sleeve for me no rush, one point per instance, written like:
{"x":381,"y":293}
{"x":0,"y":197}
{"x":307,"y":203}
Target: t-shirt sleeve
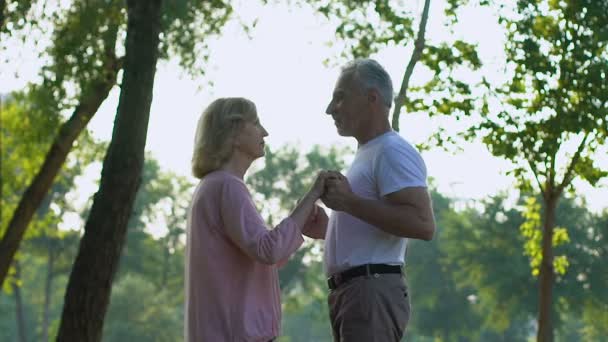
{"x":246,"y":228}
{"x":399,"y":166}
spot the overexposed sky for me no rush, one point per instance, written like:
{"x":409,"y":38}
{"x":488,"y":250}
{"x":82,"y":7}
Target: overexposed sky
{"x":281,"y":69}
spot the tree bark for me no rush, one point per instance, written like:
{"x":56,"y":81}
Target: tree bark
{"x":33,"y":196}
{"x":546,"y":278}
{"x":416,"y":54}
{"x":2,"y":9}
{"x":19,"y":312}
{"x":48,"y":285}
{"x":166,"y":255}
{"x":89,"y":287}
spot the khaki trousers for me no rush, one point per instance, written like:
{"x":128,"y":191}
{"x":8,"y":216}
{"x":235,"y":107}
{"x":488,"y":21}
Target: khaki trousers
{"x":370,"y":309}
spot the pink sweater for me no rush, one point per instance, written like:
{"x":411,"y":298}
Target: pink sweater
{"x":232,"y":286}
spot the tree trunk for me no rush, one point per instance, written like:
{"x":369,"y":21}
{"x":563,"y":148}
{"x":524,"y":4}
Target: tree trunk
{"x":166,"y":256}
{"x":48,"y":285}
{"x":88,"y":105}
{"x":2,"y":10}
{"x":19,"y":312}
{"x":416,"y":54}
{"x":89,"y":287}
{"x":545,"y":326}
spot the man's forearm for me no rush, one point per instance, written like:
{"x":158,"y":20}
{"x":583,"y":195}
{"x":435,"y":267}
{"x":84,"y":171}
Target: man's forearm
{"x":400,"y":220}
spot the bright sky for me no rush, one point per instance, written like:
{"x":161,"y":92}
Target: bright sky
{"x":281,"y":69}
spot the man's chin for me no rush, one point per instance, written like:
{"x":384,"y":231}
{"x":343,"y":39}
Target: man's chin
{"x":343,"y":133}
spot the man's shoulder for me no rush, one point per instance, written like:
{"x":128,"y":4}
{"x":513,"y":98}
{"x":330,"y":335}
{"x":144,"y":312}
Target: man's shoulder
{"x":395,"y":143}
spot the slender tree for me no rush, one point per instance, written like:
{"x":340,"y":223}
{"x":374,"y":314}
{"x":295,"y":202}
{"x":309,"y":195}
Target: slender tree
{"x":89,"y":287}
{"x":19,"y":307}
{"x":554,"y":115}
{"x":94,"y":65}
{"x":84,"y":62}
{"x":416,"y":55}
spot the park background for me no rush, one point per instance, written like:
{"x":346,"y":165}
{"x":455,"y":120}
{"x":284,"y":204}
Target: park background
{"x":478,"y":280}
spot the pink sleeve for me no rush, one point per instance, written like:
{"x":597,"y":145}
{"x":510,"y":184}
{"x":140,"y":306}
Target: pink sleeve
{"x":247,"y":229}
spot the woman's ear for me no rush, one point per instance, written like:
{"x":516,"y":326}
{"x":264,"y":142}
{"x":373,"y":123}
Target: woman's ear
{"x":236,"y":141}
{"x":236,"y":137}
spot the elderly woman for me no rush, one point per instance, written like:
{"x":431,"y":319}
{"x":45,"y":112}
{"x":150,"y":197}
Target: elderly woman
{"x":232,"y":288}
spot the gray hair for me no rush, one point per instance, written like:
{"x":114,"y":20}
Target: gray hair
{"x":371,"y":75}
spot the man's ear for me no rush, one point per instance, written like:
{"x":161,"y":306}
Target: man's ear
{"x":372,"y":96}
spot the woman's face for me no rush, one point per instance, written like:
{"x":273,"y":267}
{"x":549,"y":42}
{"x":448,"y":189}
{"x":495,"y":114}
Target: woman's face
{"x":250,"y":140}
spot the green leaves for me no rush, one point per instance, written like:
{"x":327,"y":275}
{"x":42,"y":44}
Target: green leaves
{"x":532,"y":231}
{"x":27,"y":133}
{"x":458,"y":53}
{"x":84,"y":48}
{"x":587,"y":170}
{"x":141,"y":312}
{"x":13,"y":15}
{"x":188,"y":26}
{"x":366,"y":26}
{"x":26,"y":136}
{"x":559,"y":69}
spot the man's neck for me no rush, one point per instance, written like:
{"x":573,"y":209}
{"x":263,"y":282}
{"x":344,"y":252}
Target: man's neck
{"x":372,"y":132}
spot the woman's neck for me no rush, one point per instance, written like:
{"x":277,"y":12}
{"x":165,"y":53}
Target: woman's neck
{"x":237,"y":165}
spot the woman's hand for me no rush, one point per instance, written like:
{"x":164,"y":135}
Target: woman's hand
{"x":318,"y":187}
{"x":306,"y":207}
{"x":316,"y":225}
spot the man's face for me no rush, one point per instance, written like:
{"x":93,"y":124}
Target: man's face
{"x":348,"y":106}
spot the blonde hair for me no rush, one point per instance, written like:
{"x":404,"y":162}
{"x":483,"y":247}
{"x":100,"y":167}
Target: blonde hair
{"x":216,"y":130}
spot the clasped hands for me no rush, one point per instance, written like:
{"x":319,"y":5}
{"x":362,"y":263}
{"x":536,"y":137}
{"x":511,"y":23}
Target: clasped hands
{"x":334,"y":191}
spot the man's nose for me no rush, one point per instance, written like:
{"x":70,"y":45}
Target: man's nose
{"x":330,"y":109}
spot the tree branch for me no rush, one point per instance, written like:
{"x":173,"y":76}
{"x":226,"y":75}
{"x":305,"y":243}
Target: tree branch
{"x":89,"y":102}
{"x":535,"y":173}
{"x":416,"y":54}
{"x":551,"y":180}
{"x":568,"y":176}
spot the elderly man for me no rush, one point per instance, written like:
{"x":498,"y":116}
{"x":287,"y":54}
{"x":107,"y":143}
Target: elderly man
{"x":381,"y":202}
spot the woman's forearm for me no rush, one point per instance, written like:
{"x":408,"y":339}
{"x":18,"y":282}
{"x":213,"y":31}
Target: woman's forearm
{"x":303,"y":209}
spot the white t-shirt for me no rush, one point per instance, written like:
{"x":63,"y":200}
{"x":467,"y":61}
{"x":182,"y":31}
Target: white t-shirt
{"x":382,"y":166}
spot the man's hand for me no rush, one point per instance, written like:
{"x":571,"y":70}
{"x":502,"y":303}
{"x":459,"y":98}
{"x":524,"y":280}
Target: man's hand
{"x":316,"y":225}
{"x":337,"y":191}
{"x":318,"y":187}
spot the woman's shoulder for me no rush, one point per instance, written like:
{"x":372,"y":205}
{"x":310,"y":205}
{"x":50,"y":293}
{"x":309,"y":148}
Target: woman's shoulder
{"x":221,"y":187}
{"x":221,"y":181}
{"x":221,"y":177}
